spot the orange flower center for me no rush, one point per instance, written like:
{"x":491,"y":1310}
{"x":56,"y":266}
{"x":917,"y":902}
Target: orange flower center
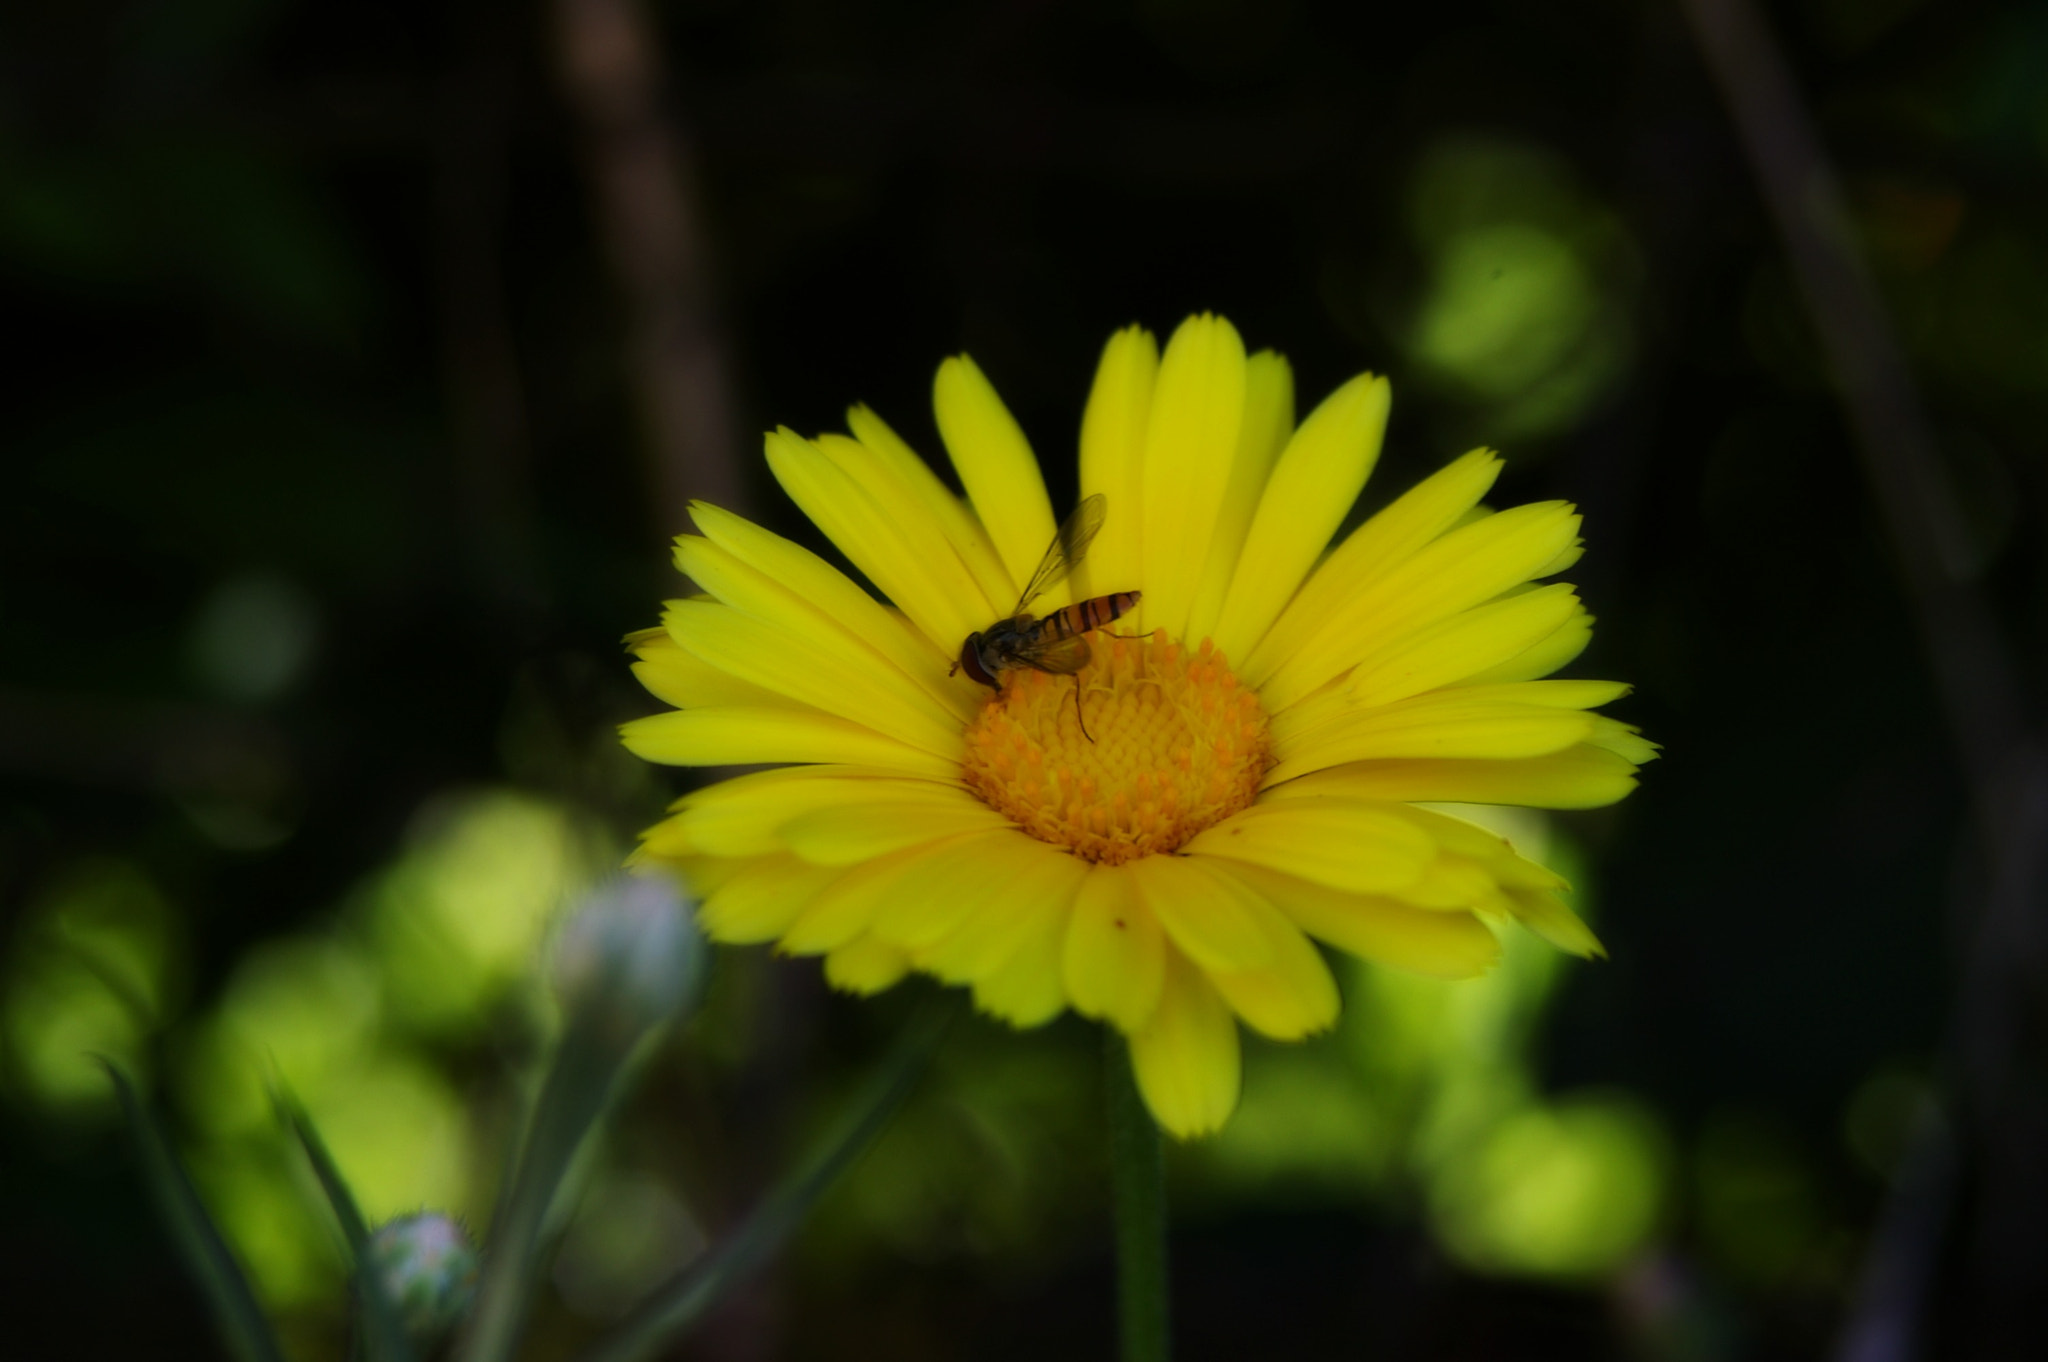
{"x":1178,"y":745}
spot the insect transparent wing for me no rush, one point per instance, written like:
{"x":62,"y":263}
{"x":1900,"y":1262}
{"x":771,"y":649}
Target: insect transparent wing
{"x":1068,"y":545}
{"x":1061,"y":657}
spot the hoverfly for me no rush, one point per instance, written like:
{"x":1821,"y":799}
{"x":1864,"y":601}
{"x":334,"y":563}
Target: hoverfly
{"x":1057,"y":643}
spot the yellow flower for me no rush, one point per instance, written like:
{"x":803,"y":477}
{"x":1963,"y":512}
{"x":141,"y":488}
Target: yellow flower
{"x":1262,"y":729}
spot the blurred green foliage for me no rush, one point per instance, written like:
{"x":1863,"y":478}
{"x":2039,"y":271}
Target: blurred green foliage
{"x":348,"y":1016}
{"x":1528,"y":282}
{"x":97,"y":970}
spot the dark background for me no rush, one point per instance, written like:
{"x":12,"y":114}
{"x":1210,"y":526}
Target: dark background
{"x":364,"y":356}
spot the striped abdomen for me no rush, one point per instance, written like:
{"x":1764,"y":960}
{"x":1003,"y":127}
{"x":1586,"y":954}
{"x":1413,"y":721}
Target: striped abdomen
{"x":1094,"y":613}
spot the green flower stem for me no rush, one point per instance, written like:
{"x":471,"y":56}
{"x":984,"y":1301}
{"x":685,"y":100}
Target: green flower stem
{"x":588,"y":1062}
{"x":675,"y":1307}
{"x":1138,"y":1171}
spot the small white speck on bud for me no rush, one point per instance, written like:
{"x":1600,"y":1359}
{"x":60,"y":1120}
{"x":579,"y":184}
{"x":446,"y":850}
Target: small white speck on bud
{"x":429,"y":1271}
{"x":629,"y":957}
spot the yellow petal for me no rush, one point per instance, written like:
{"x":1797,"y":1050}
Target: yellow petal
{"x":761,"y":899}
{"x":1484,"y":722}
{"x":904,"y":508}
{"x":1349,"y":846}
{"x":1544,"y":913}
{"x":1197,"y":410}
{"x":703,"y":874}
{"x":843,"y":632}
{"x":1186,"y":1058}
{"x":817,"y":671}
{"x":1113,"y":458}
{"x":997,"y":467}
{"x":1453,"y":883}
{"x":846,"y":833}
{"x":748,"y":736}
{"x":744,"y":816}
{"x":1419,"y":940}
{"x":667,"y":841}
{"x":1310,"y":492}
{"x":941,"y":887}
{"x":866,"y":966}
{"x":969,"y":540}
{"x":1268,"y":422}
{"x":1465,"y":645}
{"x":813,"y":595}
{"x":1465,"y":837}
{"x":1565,"y":558}
{"x":1294,"y":995}
{"x":906,"y":557}
{"x":847,"y":908}
{"x":1211,"y":920}
{"x":1461,"y":569}
{"x":1546,"y":656}
{"x":679,"y":679}
{"x":1021,"y":881}
{"x":1581,"y":777}
{"x":1442,"y":724}
{"x":1416,"y":517}
{"x":1623,"y":740}
{"x":1028,"y":990}
{"x":1560,"y":693}
{"x":1114,"y":956}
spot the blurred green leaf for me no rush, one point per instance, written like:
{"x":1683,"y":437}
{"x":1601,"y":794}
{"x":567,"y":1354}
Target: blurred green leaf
{"x":199,"y":1243}
{"x":383,"y":1333}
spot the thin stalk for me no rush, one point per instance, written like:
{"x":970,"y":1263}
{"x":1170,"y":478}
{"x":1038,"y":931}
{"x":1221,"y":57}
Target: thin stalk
{"x":1138,"y":1172}
{"x":244,"y":1328}
{"x":672,"y":1309}
{"x":587,"y":1064}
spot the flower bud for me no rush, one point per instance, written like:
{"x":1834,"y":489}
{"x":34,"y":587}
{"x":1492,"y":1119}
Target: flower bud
{"x":629,"y":958}
{"x":428,"y":1268}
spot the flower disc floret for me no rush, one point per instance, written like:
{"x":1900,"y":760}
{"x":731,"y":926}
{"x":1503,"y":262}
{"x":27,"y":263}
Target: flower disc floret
{"x":1173,"y":744}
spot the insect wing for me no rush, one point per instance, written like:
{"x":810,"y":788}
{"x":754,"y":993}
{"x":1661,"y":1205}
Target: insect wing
{"x":1060,"y":656}
{"x":1076,"y":532}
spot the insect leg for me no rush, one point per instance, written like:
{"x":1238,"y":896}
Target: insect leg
{"x":1077,"y":709}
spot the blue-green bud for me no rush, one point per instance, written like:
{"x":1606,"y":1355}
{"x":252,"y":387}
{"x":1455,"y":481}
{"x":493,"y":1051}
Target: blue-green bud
{"x":429,"y":1271}
{"x":629,"y":958}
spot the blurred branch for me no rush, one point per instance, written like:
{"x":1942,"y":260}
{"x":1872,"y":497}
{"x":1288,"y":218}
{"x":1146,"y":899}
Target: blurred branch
{"x":641,"y":174}
{"x":1980,"y":693}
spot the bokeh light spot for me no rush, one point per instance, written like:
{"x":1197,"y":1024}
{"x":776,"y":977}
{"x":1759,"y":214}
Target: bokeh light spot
{"x":95,"y":969}
{"x":1507,"y":301}
{"x":1756,"y":1208}
{"x":295,"y":1009}
{"x":1883,"y":1114}
{"x":253,"y":637}
{"x":1570,"y":1190}
{"x":461,"y":915}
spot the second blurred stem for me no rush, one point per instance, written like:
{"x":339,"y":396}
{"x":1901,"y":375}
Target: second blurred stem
{"x":625,"y":964}
{"x":1138,"y":1173}
{"x":572,"y":1097}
